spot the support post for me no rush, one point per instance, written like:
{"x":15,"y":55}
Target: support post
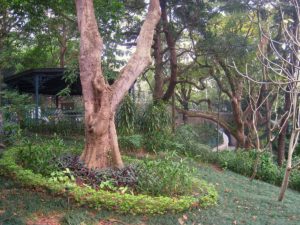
{"x":173,"y":114}
{"x":36,"y":88}
{"x":56,"y":101}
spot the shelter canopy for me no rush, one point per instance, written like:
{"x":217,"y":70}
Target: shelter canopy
{"x":48,"y":81}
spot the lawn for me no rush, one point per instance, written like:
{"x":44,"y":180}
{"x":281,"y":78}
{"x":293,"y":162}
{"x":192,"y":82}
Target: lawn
{"x":240,"y":202}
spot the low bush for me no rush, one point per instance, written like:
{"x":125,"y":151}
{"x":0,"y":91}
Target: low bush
{"x":132,"y":142}
{"x":155,"y":119}
{"x":121,"y":202}
{"x":111,"y":178}
{"x":65,"y":127}
{"x":205,"y":134}
{"x":40,"y":158}
{"x":190,"y":144}
{"x":243,"y":161}
{"x":165,"y":177}
{"x":126,"y":117}
{"x":160,"y":141}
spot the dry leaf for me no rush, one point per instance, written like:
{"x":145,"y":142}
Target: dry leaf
{"x":180,"y":221}
{"x":184,"y":217}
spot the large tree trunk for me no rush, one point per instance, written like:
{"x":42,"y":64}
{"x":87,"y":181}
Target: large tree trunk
{"x":100,"y":99}
{"x":239,"y":123}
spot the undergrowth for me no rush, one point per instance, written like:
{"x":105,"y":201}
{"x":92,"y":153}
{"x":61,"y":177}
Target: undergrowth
{"x":118,"y":200}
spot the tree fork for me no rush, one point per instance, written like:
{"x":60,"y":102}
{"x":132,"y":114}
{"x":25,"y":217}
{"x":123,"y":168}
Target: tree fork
{"x":100,"y":99}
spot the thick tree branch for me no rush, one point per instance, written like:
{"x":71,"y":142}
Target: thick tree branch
{"x":209,"y":116}
{"x":141,"y":58}
{"x":208,"y":101}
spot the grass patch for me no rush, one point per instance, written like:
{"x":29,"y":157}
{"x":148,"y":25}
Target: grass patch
{"x":240,"y":202}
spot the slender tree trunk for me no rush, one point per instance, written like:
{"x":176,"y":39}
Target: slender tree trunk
{"x":63,"y":46}
{"x":173,"y":114}
{"x":284,"y":126}
{"x":100,"y":99}
{"x":158,"y":76}
{"x":288,"y":170}
{"x":62,"y":53}
{"x":185,"y":117}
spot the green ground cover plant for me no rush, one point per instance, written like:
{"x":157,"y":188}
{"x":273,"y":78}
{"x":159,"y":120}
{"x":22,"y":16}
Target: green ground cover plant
{"x":117,"y":200}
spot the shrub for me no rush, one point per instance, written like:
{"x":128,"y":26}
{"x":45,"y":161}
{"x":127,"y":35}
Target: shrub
{"x":242,"y":162}
{"x":160,"y":141}
{"x":155,"y":119}
{"x":126,"y":117}
{"x":268,"y":170}
{"x":40,"y":158}
{"x":205,"y":134}
{"x":15,"y":106}
{"x":190,"y":144}
{"x":164,"y":177}
{"x":132,"y":142}
{"x":125,"y":177}
{"x":65,"y":127}
{"x":10,"y":132}
{"x":123,"y":203}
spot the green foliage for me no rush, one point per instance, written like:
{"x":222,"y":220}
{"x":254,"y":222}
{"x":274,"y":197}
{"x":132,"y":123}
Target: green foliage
{"x":62,"y":176}
{"x":14,"y":112}
{"x":268,"y":170}
{"x":40,"y":158}
{"x":205,"y":134}
{"x":192,"y":140}
{"x":165,"y":177}
{"x":126,"y":117}
{"x":15,"y":105}
{"x":243,"y":161}
{"x":153,"y":123}
{"x":132,"y":142}
{"x":160,"y":141}
{"x":65,"y":127}
{"x":123,"y":203}
{"x":10,"y":132}
{"x":155,"y":119}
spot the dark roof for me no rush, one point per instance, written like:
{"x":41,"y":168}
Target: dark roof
{"x":50,"y":81}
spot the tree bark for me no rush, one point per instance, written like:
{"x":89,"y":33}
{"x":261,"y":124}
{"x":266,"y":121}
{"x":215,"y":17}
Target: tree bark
{"x":293,"y":140}
{"x":284,"y":126}
{"x":158,"y":76}
{"x":158,"y":55}
{"x":63,"y":46}
{"x":100,"y":99}
{"x":172,"y":48}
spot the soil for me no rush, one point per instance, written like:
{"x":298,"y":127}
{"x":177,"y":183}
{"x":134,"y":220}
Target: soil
{"x":53,"y":219}
{"x":217,"y":168}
